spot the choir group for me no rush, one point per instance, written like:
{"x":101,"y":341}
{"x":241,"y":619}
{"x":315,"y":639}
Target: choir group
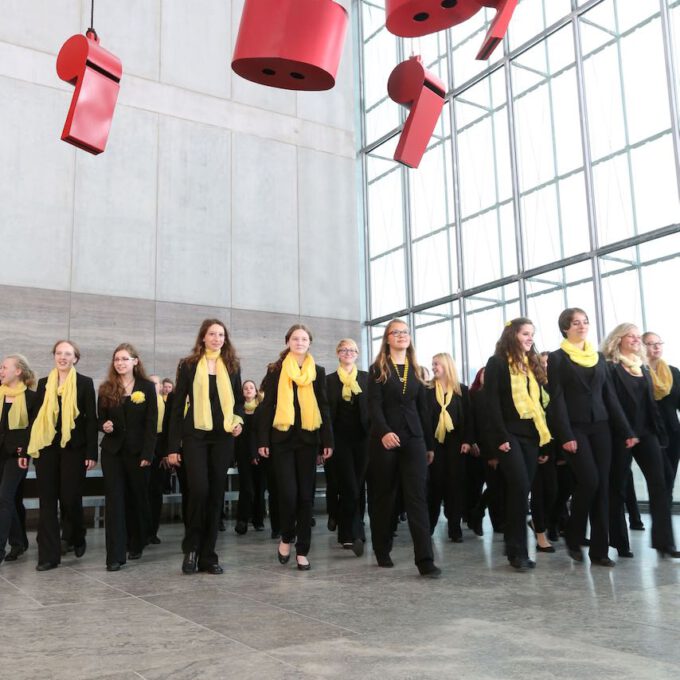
{"x":552,"y":434}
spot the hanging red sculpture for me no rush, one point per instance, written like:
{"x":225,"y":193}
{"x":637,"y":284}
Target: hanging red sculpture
{"x":96,"y":74}
{"x":413,"y":18}
{"x":290,"y":44}
{"x":424,"y":94}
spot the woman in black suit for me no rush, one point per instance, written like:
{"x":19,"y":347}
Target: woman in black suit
{"x":293,"y":423}
{"x":401,"y":445}
{"x":666,"y":380}
{"x":347,"y":389}
{"x":584,"y":409}
{"x":63,"y":445}
{"x":633,"y":384}
{"x":128,"y":417}
{"x":159,"y":470}
{"x":449,"y":406}
{"x":17,"y":407}
{"x":513,"y":381}
{"x":205,"y":418}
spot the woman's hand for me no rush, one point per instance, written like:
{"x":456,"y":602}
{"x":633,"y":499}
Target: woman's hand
{"x":570,"y":446}
{"x":631,"y":442}
{"x":236,"y":431}
{"x":144,"y":462}
{"x":22,"y":462}
{"x":465,"y":448}
{"x":164,"y":463}
{"x":504,"y":447}
{"x":174,"y":459}
{"x":475,"y":450}
{"x":89,"y":463}
{"x":327,"y":453}
{"x":543,"y":459}
{"x":429,"y":457}
{"x":108,"y":426}
{"x":264,"y":451}
{"x":391,"y":441}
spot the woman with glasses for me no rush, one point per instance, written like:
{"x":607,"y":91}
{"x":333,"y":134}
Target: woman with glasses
{"x":347,"y":388}
{"x":401,"y":446}
{"x":635,"y":390}
{"x":666,"y":381}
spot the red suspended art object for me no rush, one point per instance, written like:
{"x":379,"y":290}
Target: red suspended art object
{"x":424,"y":94}
{"x":290,"y":44}
{"x":96,"y":74}
{"x":413,"y":18}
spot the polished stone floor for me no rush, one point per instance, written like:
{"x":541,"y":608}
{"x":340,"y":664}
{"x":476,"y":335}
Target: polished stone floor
{"x":346,"y":618}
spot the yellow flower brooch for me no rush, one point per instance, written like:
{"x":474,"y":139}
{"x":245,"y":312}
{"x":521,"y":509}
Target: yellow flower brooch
{"x":138,"y":397}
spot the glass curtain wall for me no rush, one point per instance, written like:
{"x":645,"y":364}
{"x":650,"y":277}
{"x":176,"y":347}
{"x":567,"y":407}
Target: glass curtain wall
{"x":552,"y":178}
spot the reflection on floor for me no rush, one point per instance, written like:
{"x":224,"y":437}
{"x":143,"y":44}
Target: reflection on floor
{"x":346,"y":618}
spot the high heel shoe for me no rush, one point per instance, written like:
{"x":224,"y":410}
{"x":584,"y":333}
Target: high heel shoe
{"x":668,"y":552}
{"x":283,"y":559}
{"x":545,"y":549}
{"x":303,"y":567}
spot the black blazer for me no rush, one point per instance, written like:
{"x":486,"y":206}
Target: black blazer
{"x":480,"y":424}
{"x":134,"y":425}
{"x":575,"y":400}
{"x":267,"y":409}
{"x":669,"y":405}
{"x":631,"y":405}
{"x":84,"y":433}
{"x":246,"y":443}
{"x":460,"y":410}
{"x":503,"y":417}
{"x":334,"y":388}
{"x":181,"y":425}
{"x":392,"y":411}
{"x":15,"y":442}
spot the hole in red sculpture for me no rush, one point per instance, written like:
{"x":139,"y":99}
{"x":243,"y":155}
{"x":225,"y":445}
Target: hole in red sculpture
{"x":297,"y":76}
{"x":449,"y":3}
{"x":269,"y":71}
{"x":421,"y":16}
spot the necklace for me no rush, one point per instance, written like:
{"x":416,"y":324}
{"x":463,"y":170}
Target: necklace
{"x":403,"y":379}
{"x":127,"y":387}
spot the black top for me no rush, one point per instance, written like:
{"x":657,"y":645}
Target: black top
{"x":349,"y":418}
{"x":246,"y":443}
{"x":181,"y":425}
{"x":670,"y":404}
{"x":15,"y":442}
{"x":460,"y":411}
{"x":390,"y":410}
{"x":84,"y":433}
{"x":579,"y":396}
{"x":267,"y":435}
{"x":481,"y":425}
{"x":134,"y":425}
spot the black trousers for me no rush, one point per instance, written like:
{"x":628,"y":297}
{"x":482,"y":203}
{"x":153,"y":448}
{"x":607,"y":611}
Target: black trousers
{"x":590,"y":466}
{"x":350,"y":461}
{"x":205,"y":464}
{"x":251,"y":488}
{"x":474,"y":484}
{"x":649,"y":457}
{"x":543,"y":494}
{"x":559,"y":517}
{"x":295,"y":466}
{"x":518,"y":467}
{"x":158,"y":480}
{"x":332,"y":488}
{"x":386,"y":468}
{"x":446,"y":482}
{"x":60,"y":474}
{"x":267,"y":466}
{"x":632,"y":507}
{"x":493,"y":496}
{"x":11,"y":477}
{"x":671,"y":456}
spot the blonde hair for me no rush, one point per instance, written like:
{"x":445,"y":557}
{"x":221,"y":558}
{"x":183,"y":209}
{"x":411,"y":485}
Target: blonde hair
{"x":347,"y":342}
{"x":611,"y":346}
{"x":27,"y":375}
{"x":450,"y":371}
{"x":382,"y":360}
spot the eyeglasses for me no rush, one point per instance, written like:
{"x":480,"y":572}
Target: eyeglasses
{"x":347,"y":351}
{"x":654,"y":345}
{"x":399,"y":334}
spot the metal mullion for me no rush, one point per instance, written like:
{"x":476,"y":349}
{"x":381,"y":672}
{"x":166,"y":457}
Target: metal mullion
{"x":673,"y":95}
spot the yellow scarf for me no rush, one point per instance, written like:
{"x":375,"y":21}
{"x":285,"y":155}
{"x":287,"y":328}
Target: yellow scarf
{"x":17,"y":419}
{"x":201,"y":394}
{"x":528,"y":401}
{"x":251,"y":405}
{"x":161,"y":413}
{"x":445,"y":423}
{"x":349,"y":382}
{"x":586,"y":357}
{"x":633,"y":365}
{"x":662,"y":379}
{"x":44,"y":427}
{"x":304,"y":378}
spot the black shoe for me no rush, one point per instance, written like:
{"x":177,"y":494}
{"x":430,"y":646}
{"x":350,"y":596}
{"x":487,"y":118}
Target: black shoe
{"x":66,"y":547}
{"x":521,"y":564}
{"x":474,"y":523}
{"x":637,"y":526}
{"x":221,"y":526}
{"x":402,"y":517}
{"x":384,"y":561}
{"x":15,"y":552}
{"x":189,"y":564}
{"x":283,"y":559}
{"x":46,"y":566}
{"x":553,"y":535}
{"x":134,"y":555}
{"x":625,"y":553}
{"x":331,"y":525}
{"x":214,"y":569}
{"x":114,"y":566}
{"x":663,"y":552}
{"x":575,"y":554}
{"x":303,"y":567}
{"x":586,"y":543}
{"x":275,"y":534}
{"x":241,"y":527}
{"x":79,"y":550}
{"x":154,"y":540}
{"x":258,"y":527}
{"x":357,"y":547}
{"x":603,"y":562}
{"x":429,"y":569}
{"x":546,"y":549}
{"x":313,"y":522}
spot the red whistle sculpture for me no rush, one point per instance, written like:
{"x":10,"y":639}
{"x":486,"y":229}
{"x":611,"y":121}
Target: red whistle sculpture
{"x":291,"y":44}
{"x":421,"y":91}
{"x":96,"y":74}
{"x":413,"y":18}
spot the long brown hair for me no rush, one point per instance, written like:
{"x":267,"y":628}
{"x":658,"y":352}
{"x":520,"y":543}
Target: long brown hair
{"x":228,"y":353}
{"x":276,"y":365}
{"x":382,"y":359}
{"x":507,"y":348}
{"x":111,"y":391}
